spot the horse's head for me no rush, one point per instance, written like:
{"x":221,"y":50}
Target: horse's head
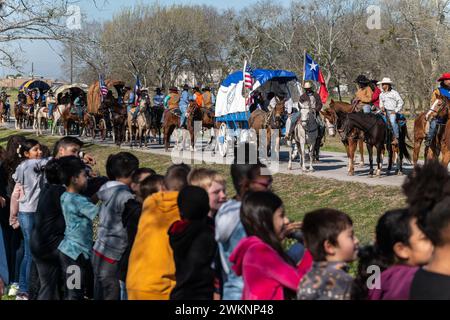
{"x":278,"y":111}
{"x":330,"y":118}
{"x":438,"y":109}
{"x":306,"y":116}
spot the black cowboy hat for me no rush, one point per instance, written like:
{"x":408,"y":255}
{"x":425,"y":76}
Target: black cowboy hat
{"x":157,"y":89}
{"x":173,"y":89}
{"x":185,"y":87}
{"x":206,"y":88}
{"x":196,"y":89}
{"x":362,"y":79}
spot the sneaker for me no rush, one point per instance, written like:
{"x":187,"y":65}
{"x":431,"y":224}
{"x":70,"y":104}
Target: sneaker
{"x":13,"y":289}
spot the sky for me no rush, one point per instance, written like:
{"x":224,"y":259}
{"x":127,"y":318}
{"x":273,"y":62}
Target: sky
{"x":46,"y":60}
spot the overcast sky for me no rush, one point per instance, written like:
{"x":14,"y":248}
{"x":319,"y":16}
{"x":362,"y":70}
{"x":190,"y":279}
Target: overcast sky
{"x":46,"y":60}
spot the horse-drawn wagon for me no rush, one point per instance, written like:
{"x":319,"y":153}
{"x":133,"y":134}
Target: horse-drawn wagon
{"x":233,"y":109}
{"x":108,"y":111}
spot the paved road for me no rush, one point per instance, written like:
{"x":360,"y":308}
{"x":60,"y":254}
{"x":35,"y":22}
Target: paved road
{"x":333,"y":165}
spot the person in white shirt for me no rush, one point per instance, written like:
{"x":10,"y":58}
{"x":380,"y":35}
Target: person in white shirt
{"x":391,"y":103}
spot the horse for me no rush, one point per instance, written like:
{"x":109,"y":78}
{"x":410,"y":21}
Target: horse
{"x":3,"y":109}
{"x":154,"y":116}
{"x":375,"y":130}
{"x":171,"y":122}
{"x":261,"y":120}
{"x":306,"y":132}
{"x":40,"y":113}
{"x":20,"y":114}
{"x":196,"y":113}
{"x":119,"y":123}
{"x":139,"y":127}
{"x":420,"y":123}
{"x":68,"y":117}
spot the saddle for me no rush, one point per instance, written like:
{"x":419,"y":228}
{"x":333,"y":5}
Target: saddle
{"x":175,"y":112}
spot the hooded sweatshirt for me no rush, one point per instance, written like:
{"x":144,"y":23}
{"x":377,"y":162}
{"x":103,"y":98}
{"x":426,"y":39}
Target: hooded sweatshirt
{"x":229,"y":231}
{"x":151,"y":267}
{"x":112,"y":236}
{"x":264,"y":271}
{"x":194,"y":251}
{"x":395,"y":283}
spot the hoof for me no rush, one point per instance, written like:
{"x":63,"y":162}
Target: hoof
{"x":311,"y":170}
{"x":400,"y":173}
{"x":361,"y":164}
{"x":289,"y":167}
{"x":351,"y":174}
{"x":370,"y":175}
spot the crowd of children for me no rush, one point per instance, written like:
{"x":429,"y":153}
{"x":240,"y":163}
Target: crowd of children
{"x":69,"y":233}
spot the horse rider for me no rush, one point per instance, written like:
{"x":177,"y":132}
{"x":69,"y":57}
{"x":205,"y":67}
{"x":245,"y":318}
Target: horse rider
{"x":78,"y":103}
{"x":444,"y":92}
{"x":184,"y":103}
{"x":51,"y":102}
{"x":376,"y":94}
{"x":309,"y":100}
{"x":171,"y":102}
{"x":132,"y":108}
{"x":364,"y":95}
{"x":391,"y":103}
{"x":208,"y":98}
{"x":198,"y":97}
{"x":158,"y":99}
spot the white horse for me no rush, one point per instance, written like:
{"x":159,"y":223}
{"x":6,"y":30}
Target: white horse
{"x":305,"y":134}
{"x":42,"y":113}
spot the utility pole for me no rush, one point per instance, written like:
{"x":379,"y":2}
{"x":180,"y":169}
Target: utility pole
{"x":32,"y":70}
{"x":71,"y":62}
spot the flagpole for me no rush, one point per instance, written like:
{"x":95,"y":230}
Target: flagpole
{"x":304,"y":67}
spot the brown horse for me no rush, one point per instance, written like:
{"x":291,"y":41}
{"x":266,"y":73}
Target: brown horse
{"x":196,"y":113}
{"x":260,"y":120}
{"x":351,"y":142}
{"x":3,"y":110}
{"x":171,"y":122}
{"x":119,"y":123}
{"x":68,"y":117}
{"x":20,"y":114}
{"x":420,"y":124}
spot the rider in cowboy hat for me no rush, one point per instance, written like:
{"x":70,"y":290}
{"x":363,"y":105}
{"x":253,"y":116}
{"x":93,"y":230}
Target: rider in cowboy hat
{"x":440,"y":95}
{"x":171,"y":101}
{"x":310,"y":99}
{"x":184,"y":103}
{"x":158,"y":99}
{"x":363,"y":97}
{"x":51,"y":102}
{"x":391,"y":103}
{"x":208,"y":98}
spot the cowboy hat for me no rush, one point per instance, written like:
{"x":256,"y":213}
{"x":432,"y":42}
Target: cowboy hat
{"x":445,"y":76}
{"x":173,"y":89}
{"x":186,"y":87}
{"x":362,"y":79}
{"x":385,"y":81}
{"x":206,"y":88}
{"x":307,"y":85}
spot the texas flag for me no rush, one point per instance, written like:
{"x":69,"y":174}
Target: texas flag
{"x":312,"y":72}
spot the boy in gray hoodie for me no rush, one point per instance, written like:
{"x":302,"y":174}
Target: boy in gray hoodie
{"x":111,"y":234}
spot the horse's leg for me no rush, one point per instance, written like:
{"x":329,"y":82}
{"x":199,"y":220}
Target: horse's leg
{"x":352,"y":144}
{"x":361,"y":152}
{"x":370,"y":151}
{"x":379,"y":160}
{"x":311,"y":152}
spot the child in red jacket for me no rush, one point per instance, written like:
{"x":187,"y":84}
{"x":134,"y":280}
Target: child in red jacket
{"x":267,"y":271}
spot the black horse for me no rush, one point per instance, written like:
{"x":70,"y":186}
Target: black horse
{"x":376,"y":135}
{"x":154,"y":115}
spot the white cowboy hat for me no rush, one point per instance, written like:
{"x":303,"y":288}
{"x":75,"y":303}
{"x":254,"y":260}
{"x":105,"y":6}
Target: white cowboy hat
{"x":307,"y":85}
{"x":385,"y":81}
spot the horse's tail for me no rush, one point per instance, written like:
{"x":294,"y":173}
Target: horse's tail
{"x":403,"y":146}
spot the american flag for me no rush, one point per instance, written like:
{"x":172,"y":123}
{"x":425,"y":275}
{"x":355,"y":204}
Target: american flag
{"x":137,"y":91}
{"x":248,"y":80}
{"x":103,"y":87}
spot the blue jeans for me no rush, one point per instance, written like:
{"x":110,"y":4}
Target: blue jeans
{"x":394,"y":124}
{"x":26,"y":221}
{"x":432,"y":130}
{"x":50,"y":109}
{"x":367,"y":108}
{"x":296,"y":252}
{"x":183,"y":110}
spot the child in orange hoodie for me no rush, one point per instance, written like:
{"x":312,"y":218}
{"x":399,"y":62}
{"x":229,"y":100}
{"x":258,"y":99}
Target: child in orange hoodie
{"x":151,"y":267}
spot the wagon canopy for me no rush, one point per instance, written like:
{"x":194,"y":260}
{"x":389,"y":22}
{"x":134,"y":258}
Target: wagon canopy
{"x":75,"y":90}
{"x":93,"y":96}
{"x":230,"y":99}
{"x":35,"y":84}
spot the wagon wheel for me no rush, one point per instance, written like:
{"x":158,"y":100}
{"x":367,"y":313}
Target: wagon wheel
{"x":222,"y":140}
